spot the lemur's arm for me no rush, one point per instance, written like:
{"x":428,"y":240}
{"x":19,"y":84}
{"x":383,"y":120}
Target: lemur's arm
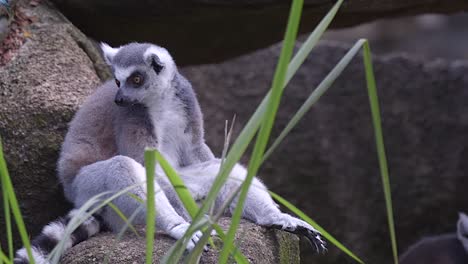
{"x":198,"y":151}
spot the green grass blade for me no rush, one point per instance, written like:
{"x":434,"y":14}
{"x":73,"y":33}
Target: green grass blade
{"x":315,"y":95}
{"x":176,"y":251}
{"x":124,"y":218}
{"x":237,"y":150}
{"x":267,"y":124}
{"x":178,"y":184}
{"x":8,"y":187}
{"x":4,"y":258}
{"x":7,"y":213}
{"x":123,"y":230}
{"x":136,"y":198}
{"x":195,"y":254}
{"x":81,"y":216}
{"x":376,"y":120}
{"x":191,"y":206}
{"x":311,"y":42}
{"x":150,"y":165}
{"x":234,"y":155}
{"x":311,"y":222}
{"x":174,"y":255}
{"x":247,"y":134}
{"x":93,"y":205}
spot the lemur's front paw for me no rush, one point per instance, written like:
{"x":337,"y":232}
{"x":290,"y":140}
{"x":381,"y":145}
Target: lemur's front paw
{"x":297,"y":226}
{"x":178,"y":232}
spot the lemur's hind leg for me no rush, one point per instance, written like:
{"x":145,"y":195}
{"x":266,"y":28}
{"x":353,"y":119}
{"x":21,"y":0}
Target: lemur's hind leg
{"x":259,"y":206}
{"x":116,"y":174}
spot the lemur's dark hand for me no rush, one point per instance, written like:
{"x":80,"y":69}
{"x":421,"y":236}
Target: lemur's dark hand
{"x":302,"y":228}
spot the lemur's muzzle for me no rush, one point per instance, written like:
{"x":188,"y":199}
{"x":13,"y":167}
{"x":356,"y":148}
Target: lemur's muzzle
{"x":122,"y":100}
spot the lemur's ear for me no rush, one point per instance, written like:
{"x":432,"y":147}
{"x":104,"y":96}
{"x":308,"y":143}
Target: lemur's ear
{"x":154,"y":61}
{"x":108,"y":52}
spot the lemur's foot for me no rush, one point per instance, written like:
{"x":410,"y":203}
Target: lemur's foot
{"x":178,"y":232}
{"x":297,"y":226}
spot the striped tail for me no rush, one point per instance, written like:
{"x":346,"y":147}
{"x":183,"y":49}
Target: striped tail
{"x":52,"y":233}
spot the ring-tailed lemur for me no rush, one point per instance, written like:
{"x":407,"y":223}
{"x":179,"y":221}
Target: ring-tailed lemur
{"x":149,"y":104}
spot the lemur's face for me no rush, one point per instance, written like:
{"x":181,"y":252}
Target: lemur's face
{"x":142,"y":72}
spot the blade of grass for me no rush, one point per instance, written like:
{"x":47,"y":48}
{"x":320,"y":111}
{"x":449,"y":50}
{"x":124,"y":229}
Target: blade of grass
{"x":176,"y":251}
{"x":311,"y":222}
{"x":227,"y":138}
{"x":191,"y":206}
{"x":184,"y":194}
{"x":249,"y":130}
{"x":195,"y":255}
{"x":315,"y":95}
{"x":8,"y":187}
{"x":268,"y":121}
{"x":174,"y":255}
{"x":123,"y":230}
{"x":4,"y":258}
{"x":138,"y":199}
{"x":150,"y":165}
{"x":83,"y":213}
{"x":241,"y":144}
{"x":376,"y":120}
{"x":123,"y":217}
{"x":75,"y":221}
{"x":311,"y":42}
{"x":7,"y":213}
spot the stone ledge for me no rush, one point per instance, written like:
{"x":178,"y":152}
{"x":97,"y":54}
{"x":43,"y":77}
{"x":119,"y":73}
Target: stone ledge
{"x":258,"y":244}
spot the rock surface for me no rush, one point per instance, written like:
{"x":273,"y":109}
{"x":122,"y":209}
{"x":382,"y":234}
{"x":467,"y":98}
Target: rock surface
{"x":258,"y":244}
{"x":40,"y":89}
{"x":207,"y":31}
{"x":327,"y":165}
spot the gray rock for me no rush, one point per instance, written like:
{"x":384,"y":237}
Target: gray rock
{"x":327,"y":165}
{"x":258,"y":244}
{"x":208,"y":31}
{"x":40,"y":89}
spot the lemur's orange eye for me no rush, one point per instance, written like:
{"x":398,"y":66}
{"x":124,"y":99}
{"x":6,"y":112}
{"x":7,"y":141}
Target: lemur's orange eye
{"x":137,"y":79}
{"x":117,"y":82}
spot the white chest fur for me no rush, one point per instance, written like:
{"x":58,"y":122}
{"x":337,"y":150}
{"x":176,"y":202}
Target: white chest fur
{"x":169,"y":123}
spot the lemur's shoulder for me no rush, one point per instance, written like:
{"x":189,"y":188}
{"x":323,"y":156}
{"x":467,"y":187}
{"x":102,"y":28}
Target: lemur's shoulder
{"x":188,"y":98}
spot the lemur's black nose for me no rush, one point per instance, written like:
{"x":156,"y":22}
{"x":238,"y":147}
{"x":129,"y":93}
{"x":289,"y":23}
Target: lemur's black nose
{"x":119,"y":101}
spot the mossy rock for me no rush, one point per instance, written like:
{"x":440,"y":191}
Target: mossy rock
{"x":40,"y":89}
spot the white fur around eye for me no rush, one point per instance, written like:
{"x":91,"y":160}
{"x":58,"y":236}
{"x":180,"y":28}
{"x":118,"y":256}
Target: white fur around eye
{"x":122,"y":74}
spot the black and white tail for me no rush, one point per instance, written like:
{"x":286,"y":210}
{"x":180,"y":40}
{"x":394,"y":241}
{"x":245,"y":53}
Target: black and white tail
{"x":52,"y":233}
